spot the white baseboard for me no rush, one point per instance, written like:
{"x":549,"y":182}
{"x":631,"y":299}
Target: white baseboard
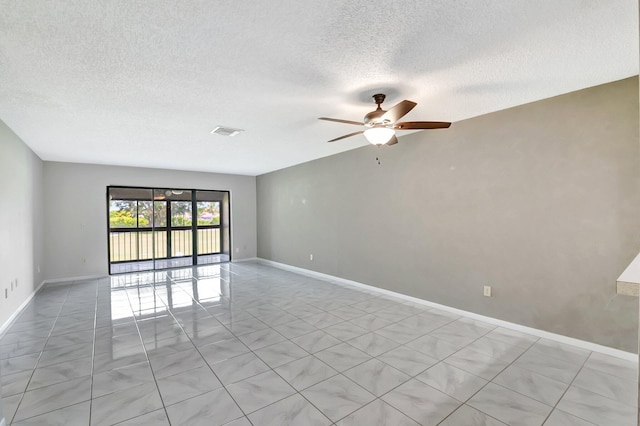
{"x":13,"y":316}
{"x":506,"y":324}
{"x":56,"y":281}
{"x":248,"y":259}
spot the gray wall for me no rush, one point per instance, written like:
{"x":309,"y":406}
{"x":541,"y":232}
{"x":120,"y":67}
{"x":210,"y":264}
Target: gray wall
{"x":542,"y":202}
{"x":76,"y":215}
{"x":21,"y":227}
{"x":21,"y":222}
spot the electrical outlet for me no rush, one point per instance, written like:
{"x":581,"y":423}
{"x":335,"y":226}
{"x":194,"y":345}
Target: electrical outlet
{"x":310,"y":257}
{"x":487,"y":290}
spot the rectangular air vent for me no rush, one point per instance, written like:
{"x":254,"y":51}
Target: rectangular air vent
{"x":226,"y":131}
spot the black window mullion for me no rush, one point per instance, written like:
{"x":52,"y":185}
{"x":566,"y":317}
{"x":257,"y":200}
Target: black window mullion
{"x":169,"y":254}
{"x":138,"y":230}
{"x":220,"y":222}
{"x":194,"y":228}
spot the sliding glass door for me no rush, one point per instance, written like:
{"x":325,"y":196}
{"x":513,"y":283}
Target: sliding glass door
{"x":130,"y":222}
{"x":159,"y":228}
{"x":210,"y":212}
{"x":175,"y":227}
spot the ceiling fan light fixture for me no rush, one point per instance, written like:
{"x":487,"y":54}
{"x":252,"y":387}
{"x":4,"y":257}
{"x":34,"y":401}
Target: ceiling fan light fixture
{"x":379,"y":135}
{"x":382,"y":124}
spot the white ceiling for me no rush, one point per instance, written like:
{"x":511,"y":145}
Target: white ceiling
{"x":142,"y":83}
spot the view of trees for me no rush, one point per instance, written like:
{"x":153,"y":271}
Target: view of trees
{"x":125,"y":219}
{"x":208,"y":213}
{"x":130,"y":214}
{"x":138,"y":214}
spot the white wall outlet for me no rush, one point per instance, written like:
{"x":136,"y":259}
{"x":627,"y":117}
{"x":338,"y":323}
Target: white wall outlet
{"x":310,"y":257}
{"x":237,"y":249}
{"x":38,"y":268}
{"x":487,"y":290}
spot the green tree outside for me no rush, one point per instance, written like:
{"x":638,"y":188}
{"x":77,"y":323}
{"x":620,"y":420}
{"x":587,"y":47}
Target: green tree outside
{"x":124,"y":219}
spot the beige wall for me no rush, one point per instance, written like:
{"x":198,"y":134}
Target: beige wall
{"x":542,"y":202}
{"x":76,"y":215}
{"x":21,"y":222}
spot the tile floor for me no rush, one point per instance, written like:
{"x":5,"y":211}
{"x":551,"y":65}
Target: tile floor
{"x":247,"y":344}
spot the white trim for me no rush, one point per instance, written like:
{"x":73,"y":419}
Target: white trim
{"x":13,"y":316}
{"x":629,"y":356}
{"x":247,"y":259}
{"x":55,"y":281}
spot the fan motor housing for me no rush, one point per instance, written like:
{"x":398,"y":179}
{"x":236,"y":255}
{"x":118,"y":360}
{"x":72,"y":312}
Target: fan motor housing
{"x":373,"y":118}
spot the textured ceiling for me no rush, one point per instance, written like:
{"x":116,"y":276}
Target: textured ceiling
{"x":142,"y":83}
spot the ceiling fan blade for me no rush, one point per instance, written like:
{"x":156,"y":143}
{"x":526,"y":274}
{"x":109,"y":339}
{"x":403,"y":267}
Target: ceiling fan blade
{"x":393,"y":140}
{"x":346,"y":136}
{"x":337,"y":120}
{"x":398,"y":111}
{"x":417,"y":125}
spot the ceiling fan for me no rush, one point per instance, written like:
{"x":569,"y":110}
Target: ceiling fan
{"x":383,"y":124}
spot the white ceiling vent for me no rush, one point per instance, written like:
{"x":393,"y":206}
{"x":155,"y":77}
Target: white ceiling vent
{"x":226,"y":131}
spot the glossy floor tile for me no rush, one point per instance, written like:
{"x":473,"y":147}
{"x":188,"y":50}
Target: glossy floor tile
{"x":452,"y":381}
{"x":421,"y":402}
{"x":376,"y":376}
{"x":337,"y":397}
{"x":377,"y":413}
{"x":247,"y":344}
{"x":509,"y":406}
{"x":259,"y":391}
{"x":291,"y":411}
{"x":305,"y":372}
